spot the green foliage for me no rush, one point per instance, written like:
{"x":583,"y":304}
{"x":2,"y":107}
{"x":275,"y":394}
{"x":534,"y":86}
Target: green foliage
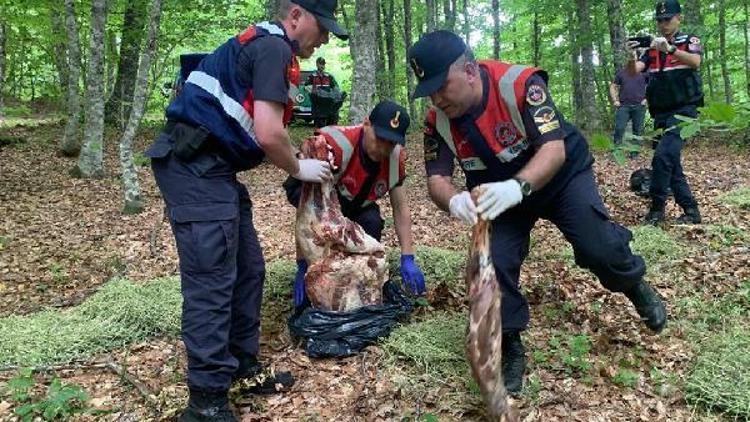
{"x":141,"y":160}
{"x":722,"y":117}
{"x":603,"y":143}
{"x":439,"y":266}
{"x":19,"y":110}
{"x":279,"y":277}
{"x":723,"y":235}
{"x":434,"y":346}
{"x":739,"y":197}
{"x":119,"y":314}
{"x":655,"y":245}
{"x":720,"y":378}
{"x":568,"y":353}
{"x":626,"y":378}
{"x":58,"y":272}
{"x":61,"y":401}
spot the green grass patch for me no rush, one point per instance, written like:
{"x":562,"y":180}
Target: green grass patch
{"x":438,"y":265}
{"x":720,"y":379}
{"x":721,"y":236}
{"x":119,"y":314}
{"x":705,"y":312}
{"x":655,"y":245}
{"x":739,"y":197}
{"x":626,"y":378}
{"x":434,"y":346}
{"x":279,"y":278}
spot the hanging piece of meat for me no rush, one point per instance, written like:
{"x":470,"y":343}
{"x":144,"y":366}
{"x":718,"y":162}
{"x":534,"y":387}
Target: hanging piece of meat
{"x":484,"y":334}
{"x":347,"y":267}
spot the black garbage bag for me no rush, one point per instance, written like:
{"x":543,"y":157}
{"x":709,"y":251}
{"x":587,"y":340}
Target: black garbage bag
{"x":335,"y":334}
{"x":326,"y":103}
{"x":640,"y":182}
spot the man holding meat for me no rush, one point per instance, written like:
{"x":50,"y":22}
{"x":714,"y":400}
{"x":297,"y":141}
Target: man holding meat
{"x":500,"y":123}
{"x":230,"y":116}
{"x":369,"y":162}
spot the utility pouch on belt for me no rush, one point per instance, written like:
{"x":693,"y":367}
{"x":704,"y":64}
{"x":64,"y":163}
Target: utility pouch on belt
{"x":189,"y":141}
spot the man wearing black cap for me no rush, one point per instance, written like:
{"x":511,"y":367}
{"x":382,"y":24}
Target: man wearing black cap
{"x":318,"y":81}
{"x":501,"y":125}
{"x":674,"y":88}
{"x":369,"y":161}
{"x":230,"y":115}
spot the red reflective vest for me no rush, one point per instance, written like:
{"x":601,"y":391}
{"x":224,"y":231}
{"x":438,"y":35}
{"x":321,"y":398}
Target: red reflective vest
{"x":501,"y":123}
{"x":352,"y":175}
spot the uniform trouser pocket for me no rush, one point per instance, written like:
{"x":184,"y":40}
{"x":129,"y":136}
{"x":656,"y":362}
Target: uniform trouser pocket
{"x":206,"y":236}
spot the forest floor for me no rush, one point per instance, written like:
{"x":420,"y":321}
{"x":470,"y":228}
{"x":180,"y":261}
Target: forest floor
{"x":62,"y":239}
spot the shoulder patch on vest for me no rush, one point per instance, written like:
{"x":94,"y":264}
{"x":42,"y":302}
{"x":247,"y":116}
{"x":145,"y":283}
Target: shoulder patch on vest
{"x":430,"y":148}
{"x":536,"y":95}
{"x":505,"y":133}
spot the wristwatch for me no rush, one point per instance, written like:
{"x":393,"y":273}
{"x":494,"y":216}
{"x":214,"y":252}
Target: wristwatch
{"x":525,"y":186}
{"x":671,"y":49}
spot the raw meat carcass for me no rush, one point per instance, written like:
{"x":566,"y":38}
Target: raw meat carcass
{"x":484,"y":334}
{"x":347,"y":267}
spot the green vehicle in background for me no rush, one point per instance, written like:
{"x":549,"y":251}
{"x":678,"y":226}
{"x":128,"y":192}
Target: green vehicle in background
{"x":302,"y":102}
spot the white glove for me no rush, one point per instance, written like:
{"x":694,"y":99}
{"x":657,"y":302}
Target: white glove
{"x":312,"y":170}
{"x":462,"y":207}
{"x":498,"y":197}
{"x":661,"y":44}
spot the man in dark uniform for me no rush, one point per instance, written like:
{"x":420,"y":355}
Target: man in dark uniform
{"x":501,"y":125}
{"x":320,"y":78}
{"x":674,"y":88}
{"x":326,"y":97}
{"x":229,"y":116}
{"x":369,"y":161}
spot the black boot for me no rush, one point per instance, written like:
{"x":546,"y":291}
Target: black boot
{"x":649,"y":306}
{"x":254,"y":378}
{"x":514,"y":361}
{"x":691,"y":216}
{"x":655,"y":215}
{"x":208,"y":407}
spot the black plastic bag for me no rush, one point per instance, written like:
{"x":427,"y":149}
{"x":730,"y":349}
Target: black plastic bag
{"x":640,"y":182}
{"x":335,"y":334}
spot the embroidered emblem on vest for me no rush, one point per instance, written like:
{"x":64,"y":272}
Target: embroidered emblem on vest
{"x":535,"y":95}
{"x":380,"y":188}
{"x":505,"y":133}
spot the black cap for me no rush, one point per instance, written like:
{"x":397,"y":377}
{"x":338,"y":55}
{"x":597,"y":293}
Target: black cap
{"x":320,"y":60}
{"x":324,"y":13}
{"x":431,"y":57}
{"x":390,"y":121}
{"x":665,"y":9}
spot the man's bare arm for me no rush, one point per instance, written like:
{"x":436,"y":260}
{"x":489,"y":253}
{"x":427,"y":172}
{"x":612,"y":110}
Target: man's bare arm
{"x":273,"y":137}
{"x":402,"y":219}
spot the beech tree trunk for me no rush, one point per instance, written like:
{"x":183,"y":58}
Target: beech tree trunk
{"x":364,"y":51}
{"x":71,"y":143}
{"x":723,"y":52}
{"x":496,"y":29}
{"x":591,"y":121}
{"x":616,"y":33}
{"x":407,"y":68}
{"x":2,"y":64}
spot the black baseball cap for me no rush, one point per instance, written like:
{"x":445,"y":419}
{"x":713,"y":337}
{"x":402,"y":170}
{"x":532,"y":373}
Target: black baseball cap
{"x":320,"y":60}
{"x":665,"y":9}
{"x":324,"y":12}
{"x":390,"y":121}
{"x":431,"y":57}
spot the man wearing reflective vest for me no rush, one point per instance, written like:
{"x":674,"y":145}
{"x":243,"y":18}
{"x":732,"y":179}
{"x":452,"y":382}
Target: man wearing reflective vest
{"x":501,"y":125}
{"x":369,"y":161}
{"x":229,"y":116}
{"x":674,"y":89}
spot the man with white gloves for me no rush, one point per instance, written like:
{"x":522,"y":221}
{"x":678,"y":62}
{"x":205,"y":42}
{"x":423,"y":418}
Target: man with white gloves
{"x":500,"y":123}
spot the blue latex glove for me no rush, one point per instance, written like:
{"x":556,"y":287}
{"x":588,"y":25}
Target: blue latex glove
{"x":298,"y":294}
{"x":412,"y":275}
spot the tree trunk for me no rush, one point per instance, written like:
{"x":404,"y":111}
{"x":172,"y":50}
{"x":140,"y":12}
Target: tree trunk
{"x":496,"y":29}
{"x":467,"y":27}
{"x":536,"y":56}
{"x":70,"y":144}
{"x":60,"y":53}
{"x":575,"y":69}
{"x":272,"y":9}
{"x":692,"y":17}
{"x":389,"y":11}
{"x":117,"y":108}
{"x":90,"y":161}
{"x":744,"y":32}
{"x":709,"y":55}
{"x":110,"y":66}
{"x":130,"y":188}
{"x":723,"y":52}
{"x":588,"y":77}
{"x":364,"y":53}
{"x":2,"y":64}
{"x":449,"y":10}
{"x":616,"y":33}
{"x":431,"y":11}
{"x":407,"y":68}
{"x":382,"y":78}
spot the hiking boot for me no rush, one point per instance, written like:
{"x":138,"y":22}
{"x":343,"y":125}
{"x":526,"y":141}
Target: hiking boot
{"x":208,"y":407}
{"x":649,"y":306}
{"x":691,"y":216}
{"x":255,"y":378}
{"x":654,"y":217}
{"x":514,"y":361}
